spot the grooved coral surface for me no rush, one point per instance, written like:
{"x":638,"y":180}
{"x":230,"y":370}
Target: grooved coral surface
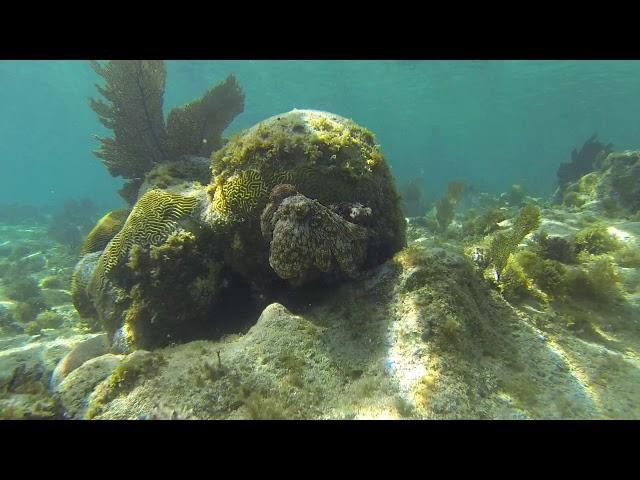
{"x":104,"y":231}
{"x":326,"y":157}
{"x":152,"y":220}
{"x":80,"y":281}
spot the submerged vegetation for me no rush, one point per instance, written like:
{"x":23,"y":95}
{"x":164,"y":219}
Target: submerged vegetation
{"x":273,"y":275}
{"x":448,"y":202}
{"x":131,"y":107}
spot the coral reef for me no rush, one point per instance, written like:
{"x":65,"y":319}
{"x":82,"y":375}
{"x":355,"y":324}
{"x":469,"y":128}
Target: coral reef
{"x":584,"y":161}
{"x":160,"y":278}
{"x":104,"y":231}
{"x":154,"y":217}
{"x":309,"y":150}
{"x":196,"y":128}
{"x":134,"y":91}
{"x":426,"y":334}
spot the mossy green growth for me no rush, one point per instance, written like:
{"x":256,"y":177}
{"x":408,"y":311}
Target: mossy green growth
{"x":515,"y":286}
{"x":515,"y":196}
{"x":595,"y":240}
{"x":584,"y":190}
{"x":53,"y":282}
{"x":49,"y":319}
{"x":169,"y":291}
{"x":294,"y":365}
{"x":325,"y":157}
{"x":503,"y":244}
{"x":628,"y":256}
{"x":484,"y":224}
{"x":138,"y":366}
{"x":24,"y":290}
{"x":447,"y":203}
{"x":555,"y":248}
{"x":598,"y":282}
{"x":548,"y":275}
{"x":573,"y":199}
{"x":154,"y":217}
{"x":260,"y":407}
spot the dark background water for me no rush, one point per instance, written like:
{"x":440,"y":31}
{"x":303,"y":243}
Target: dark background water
{"x":491,"y":123}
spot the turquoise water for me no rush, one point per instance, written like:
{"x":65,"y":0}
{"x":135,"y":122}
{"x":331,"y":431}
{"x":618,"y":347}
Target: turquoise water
{"x":295,"y":282}
{"x":491,"y":123}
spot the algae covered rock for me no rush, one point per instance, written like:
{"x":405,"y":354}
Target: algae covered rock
{"x":612,"y":190}
{"x":187,"y":251}
{"x":326,"y":158}
{"x":422,"y":336}
{"x":74,"y":391}
{"x":83,"y":351}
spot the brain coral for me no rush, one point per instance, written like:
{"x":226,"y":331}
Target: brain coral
{"x":182,"y":258}
{"x":79,"y":283}
{"x":104,"y":231}
{"x":154,"y":217}
{"x":305,"y":235}
{"x":324,"y":156}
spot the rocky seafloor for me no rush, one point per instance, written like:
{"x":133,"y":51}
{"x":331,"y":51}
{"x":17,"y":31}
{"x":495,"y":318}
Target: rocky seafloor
{"x":422,"y":336}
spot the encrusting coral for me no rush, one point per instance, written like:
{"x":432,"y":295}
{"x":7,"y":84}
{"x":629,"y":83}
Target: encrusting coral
{"x":134,"y":91}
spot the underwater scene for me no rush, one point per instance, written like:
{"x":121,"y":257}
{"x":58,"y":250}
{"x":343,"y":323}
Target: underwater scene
{"x":319,"y":239}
